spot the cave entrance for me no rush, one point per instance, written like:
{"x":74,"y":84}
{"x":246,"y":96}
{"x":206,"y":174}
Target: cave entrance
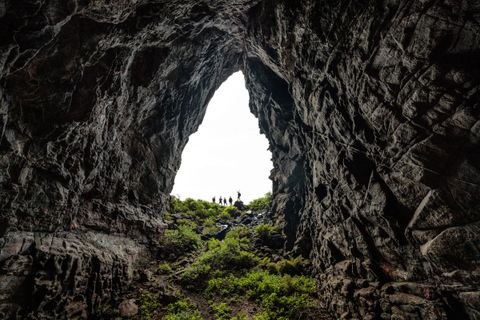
{"x":227,"y":153}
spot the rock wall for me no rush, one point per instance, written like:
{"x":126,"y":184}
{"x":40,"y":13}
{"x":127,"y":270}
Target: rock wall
{"x":98,"y":99}
{"x":371,"y":109}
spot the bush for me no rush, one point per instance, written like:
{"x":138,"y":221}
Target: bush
{"x":291,"y":266}
{"x":221,"y":258}
{"x":222,"y":311}
{"x":179,"y":241}
{"x":200,"y":214}
{"x":230,"y":212}
{"x":164,"y":268}
{"x":261,"y":203}
{"x":193,"y":276}
{"x":148,"y":304}
{"x":266,"y":232}
{"x":182,"y":310}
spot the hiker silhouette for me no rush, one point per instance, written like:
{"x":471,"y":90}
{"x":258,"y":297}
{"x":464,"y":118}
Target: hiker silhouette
{"x":214,"y":200}
{"x":230,"y":200}
{"x":225,"y":201}
{"x":238,"y":195}
{"x":220,"y":200}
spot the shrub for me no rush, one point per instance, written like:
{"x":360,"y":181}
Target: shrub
{"x":261,"y":203}
{"x":239,"y":233}
{"x":222,"y":311}
{"x":265,"y":232}
{"x":193,"y":276}
{"x":221,"y":258}
{"x":228,"y":255}
{"x":199,"y":212}
{"x":292,"y":266}
{"x":179,"y":241}
{"x":182,"y":310}
{"x":230,"y":212}
{"x":164,"y":268}
{"x":148,"y":304}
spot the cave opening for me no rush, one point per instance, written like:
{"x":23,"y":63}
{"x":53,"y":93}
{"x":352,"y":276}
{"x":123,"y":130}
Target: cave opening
{"x":228,"y":153}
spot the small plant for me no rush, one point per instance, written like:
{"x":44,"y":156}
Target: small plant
{"x":262,"y":203}
{"x":291,"y":266}
{"x":265,"y":232}
{"x":222,"y":311}
{"x":193,"y":276}
{"x":182,"y":310}
{"x":148,"y":305}
{"x":179,"y":241}
{"x":164,"y":268}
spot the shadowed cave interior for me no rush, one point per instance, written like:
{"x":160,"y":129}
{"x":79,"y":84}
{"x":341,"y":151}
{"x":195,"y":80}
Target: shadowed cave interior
{"x":371,"y":109}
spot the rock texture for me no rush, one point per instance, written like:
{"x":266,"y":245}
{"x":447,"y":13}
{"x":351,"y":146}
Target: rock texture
{"x":371,"y":109}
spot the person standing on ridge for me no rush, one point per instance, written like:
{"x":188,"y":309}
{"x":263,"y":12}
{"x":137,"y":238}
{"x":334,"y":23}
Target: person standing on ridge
{"x":214,"y":200}
{"x":230,"y":200}
{"x":220,"y":200}
{"x":224,"y":201}
{"x":238,"y":195}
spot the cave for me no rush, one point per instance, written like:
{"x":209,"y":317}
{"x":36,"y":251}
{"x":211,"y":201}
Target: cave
{"x":371,"y":109}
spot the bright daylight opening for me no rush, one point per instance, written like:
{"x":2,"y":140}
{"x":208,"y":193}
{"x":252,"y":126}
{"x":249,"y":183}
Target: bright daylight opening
{"x":227,"y":154}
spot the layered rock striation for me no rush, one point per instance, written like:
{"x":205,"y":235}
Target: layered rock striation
{"x":371,"y":109}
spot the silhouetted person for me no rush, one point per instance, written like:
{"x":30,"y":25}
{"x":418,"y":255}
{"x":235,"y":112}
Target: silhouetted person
{"x":220,"y":200}
{"x":225,"y":201}
{"x":214,"y":200}
{"x":230,"y":200}
{"x":238,"y":195}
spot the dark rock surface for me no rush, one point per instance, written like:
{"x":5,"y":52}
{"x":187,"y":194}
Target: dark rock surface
{"x":371,"y":109}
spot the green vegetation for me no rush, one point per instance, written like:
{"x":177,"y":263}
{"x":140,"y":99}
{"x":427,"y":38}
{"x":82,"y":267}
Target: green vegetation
{"x":220,"y":258}
{"x":179,"y":241}
{"x":266,"y":233}
{"x":291,"y":266}
{"x":164,"y":268}
{"x":148,"y":304}
{"x":237,"y":278}
{"x":281,"y":296}
{"x":261,"y":203}
{"x":222,"y":311}
{"x":200,"y":212}
{"x":182,"y":310}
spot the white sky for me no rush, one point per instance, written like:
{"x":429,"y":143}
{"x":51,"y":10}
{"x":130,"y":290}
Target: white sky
{"x":227,"y":153}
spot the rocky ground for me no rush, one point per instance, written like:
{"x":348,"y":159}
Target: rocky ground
{"x":221,"y":263}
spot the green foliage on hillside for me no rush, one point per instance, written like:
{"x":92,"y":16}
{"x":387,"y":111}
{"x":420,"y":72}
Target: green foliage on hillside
{"x":240,"y":277}
{"x":261,"y":203}
{"x":220,"y":258}
{"x":202,"y":216}
{"x":179,"y":241}
{"x":265,"y":232}
{"x":281,"y":296}
{"x":182,"y":310}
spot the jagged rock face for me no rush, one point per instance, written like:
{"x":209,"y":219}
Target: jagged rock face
{"x":371,"y":110}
